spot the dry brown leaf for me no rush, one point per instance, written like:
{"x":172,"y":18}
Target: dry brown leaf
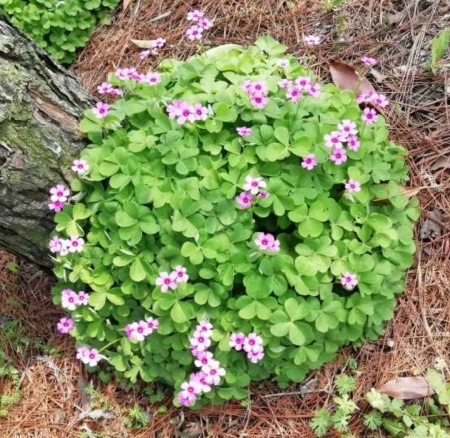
{"x":410,"y":192}
{"x":126,"y":3}
{"x":345,"y":77}
{"x":407,"y":388}
{"x":143,"y":44}
{"x":441,"y":163}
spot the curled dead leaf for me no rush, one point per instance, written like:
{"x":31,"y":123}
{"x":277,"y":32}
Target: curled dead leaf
{"x":407,"y":388}
{"x":409,"y":192}
{"x":143,"y":44}
{"x":345,"y":77}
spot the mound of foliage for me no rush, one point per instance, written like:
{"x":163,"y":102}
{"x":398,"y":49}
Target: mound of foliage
{"x":251,"y":279}
{"x":59,"y":26}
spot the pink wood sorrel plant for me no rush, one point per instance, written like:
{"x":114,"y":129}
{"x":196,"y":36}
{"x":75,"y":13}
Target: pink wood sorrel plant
{"x":234,"y":220}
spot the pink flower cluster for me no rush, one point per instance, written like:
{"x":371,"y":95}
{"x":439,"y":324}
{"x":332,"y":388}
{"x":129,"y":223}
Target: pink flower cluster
{"x":258,"y":92}
{"x":65,"y":325}
{"x":252,"y":187}
{"x":252,"y":344}
{"x":89,"y":356}
{"x":349,"y":281}
{"x":107,"y":88}
{"x":347,"y":133}
{"x":243,"y":131}
{"x":184,"y":112}
{"x":210,"y":373}
{"x":139,"y":330}
{"x":368,"y":61}
{"x":171,"y":280}
{"x":66,"y":246}
{"x":70,"y":299}
{"x":154,"y":46}
{"x":267,"y":242}
{"x":58,"y":197}
{"x":80,"y":166}
{"x":377,"y":99}
{"x":298,"y":87}
{"x":195,"y":32}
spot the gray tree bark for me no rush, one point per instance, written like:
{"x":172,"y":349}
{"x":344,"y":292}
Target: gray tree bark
{"x":40,"y":106}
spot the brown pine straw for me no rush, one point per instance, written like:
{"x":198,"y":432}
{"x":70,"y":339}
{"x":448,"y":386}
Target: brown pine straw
{"x":398,"y":34}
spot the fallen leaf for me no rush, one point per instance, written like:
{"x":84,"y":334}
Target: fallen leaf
{"x":430,"y":228}
{"x":126,"y":3}
{"x":441,"y":163}
{"x":407,"y":388}
{"x":143,"y":44}
{"x":345,"y":77}
{"x":410,"y":192}
{"x":192,"y":430}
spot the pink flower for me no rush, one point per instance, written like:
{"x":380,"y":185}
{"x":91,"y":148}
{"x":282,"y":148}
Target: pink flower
{"x":353,"y":186}
{"x":334,"y":139}
{"x":243,"y":131}
{"x":89,"y":356}
{"x":151,"y":78}
{"x":56,"y":206}
{"x":192,"y":387}
{"x":353,"y":143}
{"x":116,"y":92}
{"x":194,"y":33}
{"x":174,"y":109}
{"x":186,"y":113}
{"x":283,"y":63}
{"x":347,"y":127}
{"x":263,"y":194}
{"x":256,"y":355}
{"x":101,"y":110}
{"x":195,"y":15}
{"x":365,"y":97}
{"x":294,"y":94}
{"x":80,"y":166}
{"x":200,"y":341}
{"x":75,"y":244}
{"x":338,"y":155}
{"x":237,"y":341}
{"x":314,"y":90}
{"x":200,"y":379}
{"x":82,"y":352}
{"x":65,"y":244}
{"x":145,"y":54}
{"x":213,"y":372}
{"x":204,"y":23}
{"x":69,"y":299}
{"x":104,"y":88}
{"x":152,"y":324}
{"x":285,"y":83}
{"x":82,"y":298}
{"x":167,"y":281}
{"x":129,"y":332}
{"x":349,"y":281}
{"x":253,"y":185}
{"x":312,"y":40}
{"x":204,"y":359}
{"x":309,"y":162}
{"x":200,"y":112}
{"x":159,"y":43}
{"x":367,"y":60}
{"x":137,"y":330}
{"x":275,"y":246}
{"x":59,"y":193}
{"x":180,"y":274}
{"x":65,"y":325}
{"x":258,"y":100}
{"x":303,"y":82}
{"x":258,"y":87}
{"x":264,"y":241}
{"x":186,"y":398}
{"x":380,"y":100}
{"x":204,"y":327}
{"x":252,"y":341}
{"x":55,"y":244}
{"x":369,"y":116}
{"x":244,"y":200}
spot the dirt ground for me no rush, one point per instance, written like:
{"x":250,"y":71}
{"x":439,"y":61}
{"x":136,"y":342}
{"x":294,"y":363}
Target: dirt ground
{"x":54,"y":402}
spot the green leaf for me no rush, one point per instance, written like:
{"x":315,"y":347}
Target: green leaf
{"x":123,"y":219}
{"x":137,"y":270}
{"x":282,"y":135}
{"x":249,"y":311}
{"x":178,"y":314}
{"x":281,"y":329}
{"x":80,"y":212}
{"x":97,"y":300}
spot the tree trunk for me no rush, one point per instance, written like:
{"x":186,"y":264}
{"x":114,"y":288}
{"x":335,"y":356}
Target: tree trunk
{"x":40,"y":106}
